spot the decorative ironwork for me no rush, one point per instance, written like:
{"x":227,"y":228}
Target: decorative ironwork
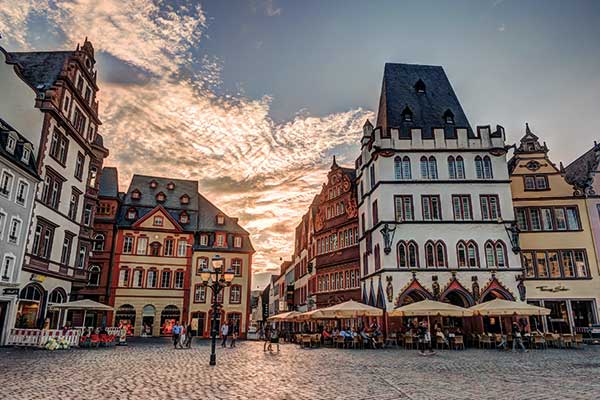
{"x":388,"y":237}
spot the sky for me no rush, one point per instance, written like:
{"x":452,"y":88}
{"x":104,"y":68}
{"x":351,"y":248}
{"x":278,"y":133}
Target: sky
{"x":252,"y":98}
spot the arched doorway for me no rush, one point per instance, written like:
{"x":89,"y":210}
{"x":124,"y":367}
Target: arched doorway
{"x":168,"y":317}
{"x":412,"y":297}
{"x":125,"y":316}
{"x":57,"y":296}
{"x":492,"y":324}
{"x":459,"y":298}
{"x":31,"y":302}
{"x":198,"y":322}
{"x":148,"y":314}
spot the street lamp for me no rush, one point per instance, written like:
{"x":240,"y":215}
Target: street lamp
{"x":216,"y":279}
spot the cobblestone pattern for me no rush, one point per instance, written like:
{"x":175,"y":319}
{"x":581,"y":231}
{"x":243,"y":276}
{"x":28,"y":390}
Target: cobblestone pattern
{"x":154,"y":370}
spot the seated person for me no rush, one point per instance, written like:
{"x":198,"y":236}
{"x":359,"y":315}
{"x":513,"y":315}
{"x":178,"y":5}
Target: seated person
{"x":440,"y":334}
{"x":325,"y":334}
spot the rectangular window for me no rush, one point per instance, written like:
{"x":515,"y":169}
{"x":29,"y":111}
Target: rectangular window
{"x":65,"y":254}
{"x":88,"y":213}
{"x":542,"y":267}
{"x":203,"y":240}
{"x":179,"y":279}
{"x":22,"y":189}
{"x":14,"y":231}
{"x":124,"y":277}
{"x":81,"y":258}
{"x":237,"y":242}
{"x":461,"y":205}
{"x":490,"y":207}
{"x":127,"y":244}
{"x":236,"y":266}
{"x":138,"y":276}
{"x":200,"y":294}
{"x":42,"y":241}
{"x":581,"y":264}
{"x":52,"y":189}
{"x":536,"y":182}
{"x":59,"y":146}
{"x":372,"y":176}
{"x":375,"y":213}
{"x":521,"y":214}
{"x":561,"y":220}
{"x":142,"y":246}
{"x":6,"y":183}
{"x":547,"y":223}
{"x":165,"y":279}
{"x":555,"y":264}
{"x":73,"y":204}
{"x":403,"y":207}
{"x":235,"y":294}
{"x":534,"y":217}
{"x":572,"y":218}
{"x":169,"y":244}
{"x":151,"y":278}
{"x":181,"y":248}
{"x":527,"y":259}
{"x":79,"y":166}
{"x":220,"y":240}
{"x":432,"y":210}
{"x":7,"y":268}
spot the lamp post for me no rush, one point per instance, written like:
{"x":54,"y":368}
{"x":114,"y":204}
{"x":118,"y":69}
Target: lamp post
{"x":216,"y":279}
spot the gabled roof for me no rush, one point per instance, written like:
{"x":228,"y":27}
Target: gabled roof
{"x":40,"y":69}
{"x":108,"y":185}
{"x":580,"y":173}
{"x":399,"y":92}
{"x":149,"y":214}
{"x":16,"y":157}
{"x":207,"y":219}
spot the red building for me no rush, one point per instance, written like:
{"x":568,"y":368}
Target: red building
{"x":335,"y":241}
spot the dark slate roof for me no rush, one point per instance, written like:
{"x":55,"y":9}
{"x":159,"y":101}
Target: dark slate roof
{"x":398,"y":92}
{"x":109,"y":183}
{"x":41,"y":68}
{"x":16,"y":157}
{"x":172,"y":204}
{"x":208,"y":218}
{"x":580,"y":173}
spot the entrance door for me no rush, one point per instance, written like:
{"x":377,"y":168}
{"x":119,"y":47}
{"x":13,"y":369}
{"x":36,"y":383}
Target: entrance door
{"x":148,"y":320}
{"x":217,"y":327}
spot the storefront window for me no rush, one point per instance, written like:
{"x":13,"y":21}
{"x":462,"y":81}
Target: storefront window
{"x":125,"y":317}
{"x":168,"y":317}
{"x":583,"y":313}
{"x":558,"y":320}
{"x":29,"y":307}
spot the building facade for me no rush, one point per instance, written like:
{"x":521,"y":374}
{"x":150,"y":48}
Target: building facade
{"x":105,"y":235}
{"x":18,"y":182}
{"x":434,"y":199}
{"x":335,"y":243}
{"x":69,"y":154}
{"x":556,"y":234}
{"x":217,"y":234}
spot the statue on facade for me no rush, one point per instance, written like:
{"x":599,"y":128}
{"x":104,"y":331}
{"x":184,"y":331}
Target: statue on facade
{"x":388,"y":237}
{"x":475,"y":288}
{"x":522,"y":289}
{"x":389,"y":289}
{"x":435,"y":286}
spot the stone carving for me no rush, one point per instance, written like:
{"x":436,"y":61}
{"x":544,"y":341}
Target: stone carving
{"x":389,"y":289}
{"x":475,"y":288}
{"x":435,"y":286}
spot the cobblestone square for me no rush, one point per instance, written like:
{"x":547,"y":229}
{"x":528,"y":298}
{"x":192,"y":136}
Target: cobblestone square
{"x":154,"y":370}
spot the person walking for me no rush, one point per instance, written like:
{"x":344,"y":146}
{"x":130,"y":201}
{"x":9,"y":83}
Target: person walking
{"x":517,"y":338}
{"x":177,"y":328}
{"x":224,"y":334}
{"x":424,"y":338}
{"x":267,"y":343}
{"x":235,"y":331}
{"x":274,"y":339}
{"x":188,"y":335}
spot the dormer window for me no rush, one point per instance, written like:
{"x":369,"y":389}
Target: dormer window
{"x":203,"y":240}
{"x":161,"y":197}
{"x":136,"y":194}
{"x":11,"y":143}
{"x":237,"y":242}
{"x":131,"y":213}
{"x":153,"y":184}
{"x":170,"y":186}
{"x":185,"y":199}
{"x":407,"y":115}
{"x":158,"y":221}
{"x":26,"y":155}
{"x":220,"y":219}
{"x":448,"y":117}
{"x":420,"y":86}
{"x":184,"y":218}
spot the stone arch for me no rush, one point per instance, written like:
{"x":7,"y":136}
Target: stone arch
{"x":495,"y":290}
{"x":456,"y":294}
{"x":412,"y":293}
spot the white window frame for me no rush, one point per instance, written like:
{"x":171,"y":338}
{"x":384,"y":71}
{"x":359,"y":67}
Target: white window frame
{"x":25,"y":192}
{"x":6,"y":172}
{"x":11,"y":270}
{"x":182,"y":248}
{"x":17,"y":232}
{"x":3,"y":218}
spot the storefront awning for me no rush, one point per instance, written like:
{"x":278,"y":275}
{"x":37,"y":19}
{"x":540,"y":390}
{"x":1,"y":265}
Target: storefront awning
{"x":86,"y":304}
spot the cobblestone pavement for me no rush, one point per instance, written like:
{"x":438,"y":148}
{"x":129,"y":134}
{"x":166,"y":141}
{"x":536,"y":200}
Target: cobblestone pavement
{"x":154,"y":370}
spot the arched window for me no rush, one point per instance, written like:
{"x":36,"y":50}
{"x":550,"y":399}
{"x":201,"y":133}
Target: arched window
{"x":461,"y":254}
{"x":398,"y":168}
{"x":440,"y":249}
{"x":99,"y":242}
{"x":94,"y":276}
{"x":460,"y":168}
{"x":451,"y":167}
{"x":402,"y":255}
{"x":487,"y":168}
{"x":495,"y":254}
{"x":429,"y":254}
{"x":406,"y":173}
{"x":478,"y":167}
{"x":57,"y":296}
{"x":432,"y":168}
{"x":472,"y":254}
{"x":377,"y":258}
{"x":424,"y":168}
{"x":413,"y":254}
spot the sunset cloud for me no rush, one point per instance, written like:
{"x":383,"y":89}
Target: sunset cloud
{"x":162,"y":115}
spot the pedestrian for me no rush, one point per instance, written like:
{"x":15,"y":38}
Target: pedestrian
{"x":424,"y":338}
{"x":274,"y":339}
{"x":234,"y":334}
{"x":517,"y":338}
{"x":224,"y":333}
{"x":267,"y":344}
{"x":188,"y":335}
{"x":176,"y":334}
